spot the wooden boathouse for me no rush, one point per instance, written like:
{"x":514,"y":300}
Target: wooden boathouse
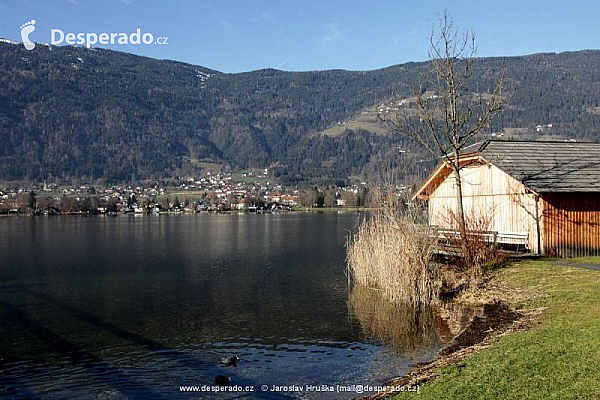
{"x":545,"y":192}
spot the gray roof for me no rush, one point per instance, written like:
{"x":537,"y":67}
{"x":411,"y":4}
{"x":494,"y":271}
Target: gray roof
{"x":547,"y":166}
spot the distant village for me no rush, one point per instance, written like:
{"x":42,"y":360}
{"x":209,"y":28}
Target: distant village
{"x":218,"y":192}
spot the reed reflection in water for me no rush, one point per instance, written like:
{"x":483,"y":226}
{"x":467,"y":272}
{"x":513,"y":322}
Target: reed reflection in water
{"x":408,"y":329}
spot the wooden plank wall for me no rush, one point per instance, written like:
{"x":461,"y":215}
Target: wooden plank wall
{"x":491,"y":193}
{"x":571,"y":224}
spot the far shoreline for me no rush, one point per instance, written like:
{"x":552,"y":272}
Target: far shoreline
{"x":303,"y":210}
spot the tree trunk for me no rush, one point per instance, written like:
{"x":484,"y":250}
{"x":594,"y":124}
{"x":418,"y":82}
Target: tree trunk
{"x":460,"y":211}
{"x":460,"y":215}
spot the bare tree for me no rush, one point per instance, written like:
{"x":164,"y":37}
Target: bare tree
{"x":447,"y":114}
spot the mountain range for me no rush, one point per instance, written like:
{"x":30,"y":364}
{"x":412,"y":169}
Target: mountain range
{"x":75,"y":113}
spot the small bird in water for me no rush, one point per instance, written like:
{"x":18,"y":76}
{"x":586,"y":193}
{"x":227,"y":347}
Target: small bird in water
{"x":222,"y":380}
{"x":230,"y":360}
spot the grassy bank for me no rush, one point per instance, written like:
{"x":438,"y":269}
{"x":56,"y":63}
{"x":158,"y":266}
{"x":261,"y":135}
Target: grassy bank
{"x":557,"y":358}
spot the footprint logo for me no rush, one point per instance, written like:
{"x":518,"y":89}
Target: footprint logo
{"x":26,"y":29}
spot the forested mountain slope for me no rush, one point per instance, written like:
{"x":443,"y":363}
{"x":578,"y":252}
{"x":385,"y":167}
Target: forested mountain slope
{"x":71,"y":112}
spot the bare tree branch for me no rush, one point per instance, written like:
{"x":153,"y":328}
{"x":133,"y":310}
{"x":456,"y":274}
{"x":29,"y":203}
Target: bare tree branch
{"x":445,"y":122}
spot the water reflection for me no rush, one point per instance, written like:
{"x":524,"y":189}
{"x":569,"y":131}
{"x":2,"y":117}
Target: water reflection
{"x":134,"y":307}
{"x":403,"y":327}
{"x":409,"y":330}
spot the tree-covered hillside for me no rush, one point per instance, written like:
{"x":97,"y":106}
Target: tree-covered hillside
{"x":71,"y":112}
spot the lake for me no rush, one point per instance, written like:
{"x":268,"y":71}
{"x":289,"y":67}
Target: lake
{"x":137,"y":306}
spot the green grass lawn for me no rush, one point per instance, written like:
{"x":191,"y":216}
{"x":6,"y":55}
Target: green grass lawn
{"x":559,"y":358}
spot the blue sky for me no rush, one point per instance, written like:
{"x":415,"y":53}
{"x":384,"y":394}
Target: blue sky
{"x":234,"y":36}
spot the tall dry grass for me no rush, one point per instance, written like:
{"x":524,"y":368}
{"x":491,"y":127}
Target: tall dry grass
{"x":392,"y":253}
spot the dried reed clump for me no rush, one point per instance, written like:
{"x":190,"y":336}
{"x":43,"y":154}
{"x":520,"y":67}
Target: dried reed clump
{"x":392,"y":253}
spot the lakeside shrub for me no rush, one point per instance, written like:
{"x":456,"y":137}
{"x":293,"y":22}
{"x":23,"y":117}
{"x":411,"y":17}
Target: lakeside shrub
{"x":478,"y":253}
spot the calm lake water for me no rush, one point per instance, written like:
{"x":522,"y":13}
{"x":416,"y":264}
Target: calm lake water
{"x":135,"y":307}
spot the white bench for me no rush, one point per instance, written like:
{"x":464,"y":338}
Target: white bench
{"x":498,"y":238}
{"x":512,"y":237}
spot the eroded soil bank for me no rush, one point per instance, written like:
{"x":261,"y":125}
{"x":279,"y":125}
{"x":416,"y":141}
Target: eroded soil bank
{"x":496,"y":319}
